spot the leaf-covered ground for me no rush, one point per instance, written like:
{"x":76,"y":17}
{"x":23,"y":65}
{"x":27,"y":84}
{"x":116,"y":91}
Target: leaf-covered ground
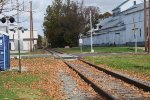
{"x":41,"y":81}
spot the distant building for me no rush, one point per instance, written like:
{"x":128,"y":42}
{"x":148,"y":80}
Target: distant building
{"x":118,"y":29}
{"x":24,"y":37}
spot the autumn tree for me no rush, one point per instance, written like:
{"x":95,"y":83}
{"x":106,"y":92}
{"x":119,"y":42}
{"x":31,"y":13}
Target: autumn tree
{"x":64,"y":21}
{"x":105,"y":15}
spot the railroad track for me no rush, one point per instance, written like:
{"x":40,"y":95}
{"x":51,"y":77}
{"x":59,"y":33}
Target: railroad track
{"x":111,"y":85}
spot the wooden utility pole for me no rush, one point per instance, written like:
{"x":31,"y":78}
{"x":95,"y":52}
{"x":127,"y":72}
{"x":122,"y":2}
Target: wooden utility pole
{"x":149,"y":31}
{"x":145,"y":26}
{"x":32,"y":33}
{"x":31,"y":28}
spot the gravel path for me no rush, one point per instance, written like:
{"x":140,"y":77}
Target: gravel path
{"x":71,"y":89}
{"x":116,"y":87}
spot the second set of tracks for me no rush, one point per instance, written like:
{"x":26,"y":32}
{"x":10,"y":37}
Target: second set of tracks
{"x":108,"y":84}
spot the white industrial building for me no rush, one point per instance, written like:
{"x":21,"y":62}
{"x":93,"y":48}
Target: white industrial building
{"x":118,"y":29}
{"x":24,"y":40}
{"x":24,"y":37}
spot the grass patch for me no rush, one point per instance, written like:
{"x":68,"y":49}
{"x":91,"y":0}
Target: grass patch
{"x":99,"y":49}
{"x":138,"y":63}
{"x":23,"y":79}
{"x":17,"y":86}
{"x":27,"y":93}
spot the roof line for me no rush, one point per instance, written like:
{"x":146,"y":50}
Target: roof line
{"x":120,"y":5}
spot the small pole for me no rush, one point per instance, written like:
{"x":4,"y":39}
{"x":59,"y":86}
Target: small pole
{"x":91,"y":33}
{"x":18,"y":36}
{"x":32,"y":30}
{"x":7,"y":30}
{"x":80,"y":43}
{"x":81,"y":48}
{"x":134,"y":29}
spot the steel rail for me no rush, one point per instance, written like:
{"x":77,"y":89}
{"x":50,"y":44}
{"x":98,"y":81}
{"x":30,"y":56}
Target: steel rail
{"x":116,"y":75}
{"x":93,"y":85}
{"x":138,"y":84}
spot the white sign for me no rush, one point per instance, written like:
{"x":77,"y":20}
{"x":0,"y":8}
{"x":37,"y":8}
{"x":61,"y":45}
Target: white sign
{"x":80,"y":41}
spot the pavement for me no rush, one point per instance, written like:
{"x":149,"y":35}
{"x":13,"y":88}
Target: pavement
{"x":65,"y":56}
{"x":13,"y":52}
{"x":16,"y":68}
{"x":32,"y":56}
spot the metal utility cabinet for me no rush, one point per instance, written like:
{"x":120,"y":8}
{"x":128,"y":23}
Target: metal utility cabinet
{"x":4,"y":52}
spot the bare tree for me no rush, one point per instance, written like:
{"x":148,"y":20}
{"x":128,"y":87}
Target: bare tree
{"x":2,"y":3}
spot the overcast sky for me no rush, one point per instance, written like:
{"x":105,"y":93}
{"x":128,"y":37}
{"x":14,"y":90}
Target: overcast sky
{"x":39,"y":8}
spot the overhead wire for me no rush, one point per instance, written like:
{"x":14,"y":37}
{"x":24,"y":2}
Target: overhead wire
{"x":22,"y":5}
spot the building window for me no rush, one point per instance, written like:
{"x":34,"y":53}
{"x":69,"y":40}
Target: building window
{"x":140,"y":32}
{"x":117,"y":33}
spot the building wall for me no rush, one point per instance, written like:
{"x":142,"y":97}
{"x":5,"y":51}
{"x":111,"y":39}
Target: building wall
{"x":25,"y":40}
{"x":12,"y":45}
{"x":24,"y":37}
{"x":124,"y":37}
{"x":139,"y":24}
{"x":26,"y":45}
{"x":111,"y":38}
